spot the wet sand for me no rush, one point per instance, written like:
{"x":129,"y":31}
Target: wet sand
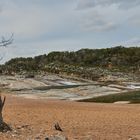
{"x":33,"y":119}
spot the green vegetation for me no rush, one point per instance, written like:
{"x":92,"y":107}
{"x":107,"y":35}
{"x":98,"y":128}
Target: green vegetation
{"x":133,"y":97}
{"x":86,"y":63}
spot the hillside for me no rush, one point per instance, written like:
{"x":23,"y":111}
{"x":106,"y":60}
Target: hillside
{"x":86,"y":63}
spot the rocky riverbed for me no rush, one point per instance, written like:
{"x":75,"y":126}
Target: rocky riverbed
{"x":56,"y":87}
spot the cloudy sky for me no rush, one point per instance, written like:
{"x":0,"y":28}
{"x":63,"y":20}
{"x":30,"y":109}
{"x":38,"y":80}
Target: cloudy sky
{"x":41,"y":26}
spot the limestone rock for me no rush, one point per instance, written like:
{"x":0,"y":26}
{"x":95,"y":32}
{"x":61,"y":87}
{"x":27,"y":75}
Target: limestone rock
{"x":56,"y":137}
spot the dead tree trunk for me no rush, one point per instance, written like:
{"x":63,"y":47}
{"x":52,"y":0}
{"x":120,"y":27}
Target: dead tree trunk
{"x":1,"y":108}
{"x":3,"y":125}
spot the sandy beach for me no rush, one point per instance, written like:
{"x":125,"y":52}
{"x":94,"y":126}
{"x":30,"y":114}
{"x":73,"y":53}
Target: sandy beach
{"x":34,"y":119}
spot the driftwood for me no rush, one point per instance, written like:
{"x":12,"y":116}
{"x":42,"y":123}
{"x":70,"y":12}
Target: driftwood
{"x":3,"y":126}
{"x":57,"y":127}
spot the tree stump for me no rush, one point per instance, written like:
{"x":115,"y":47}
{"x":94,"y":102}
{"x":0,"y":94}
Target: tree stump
{"x":3,"y":126}
{"x":57,"y":127}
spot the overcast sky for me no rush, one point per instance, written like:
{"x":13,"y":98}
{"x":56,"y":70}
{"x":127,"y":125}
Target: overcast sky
{"x":41,"y":26}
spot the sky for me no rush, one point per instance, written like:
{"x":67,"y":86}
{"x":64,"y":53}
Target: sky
{"x":42,"y":26}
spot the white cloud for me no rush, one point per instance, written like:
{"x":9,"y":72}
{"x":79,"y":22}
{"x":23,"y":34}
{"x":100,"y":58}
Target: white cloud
{"x":96,"y":22}
{"x":123,"y":4}
{"x":134,"y":20}
{"x":30,"y":21}
{"x":105,"y":15}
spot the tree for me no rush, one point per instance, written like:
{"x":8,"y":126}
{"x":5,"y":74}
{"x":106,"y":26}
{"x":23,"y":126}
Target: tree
{"x":3,"y":125}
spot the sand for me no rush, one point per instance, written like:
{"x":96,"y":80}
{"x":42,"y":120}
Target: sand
{"x":34,"y":119}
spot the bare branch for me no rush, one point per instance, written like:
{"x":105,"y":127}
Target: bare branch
{"x":6,"y":42}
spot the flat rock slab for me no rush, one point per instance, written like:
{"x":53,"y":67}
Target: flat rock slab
{"x":56,"y":138}
{"x":122,"y":102}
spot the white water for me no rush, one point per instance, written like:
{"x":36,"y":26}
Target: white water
{"x":67,"y":83}
{"x":133,"y":87}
